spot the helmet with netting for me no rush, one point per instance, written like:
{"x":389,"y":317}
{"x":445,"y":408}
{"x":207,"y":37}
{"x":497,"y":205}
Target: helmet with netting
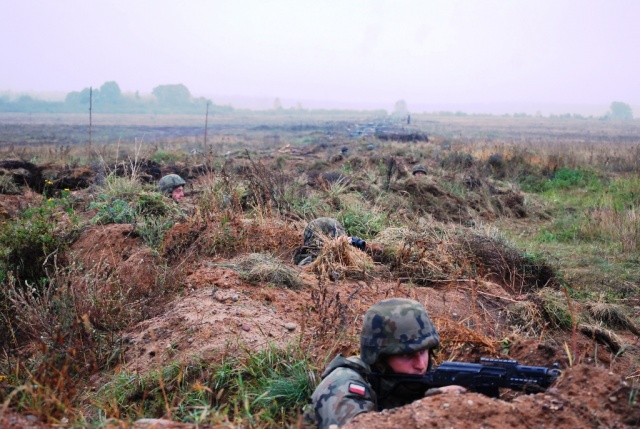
{"x":418,"y":169}
{"x":396,"y":326}
{"x":168,"y":183}
{"x":322,"y":227}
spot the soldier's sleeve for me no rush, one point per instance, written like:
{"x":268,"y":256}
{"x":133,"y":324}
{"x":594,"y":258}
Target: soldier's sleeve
{"x":341,"y":396}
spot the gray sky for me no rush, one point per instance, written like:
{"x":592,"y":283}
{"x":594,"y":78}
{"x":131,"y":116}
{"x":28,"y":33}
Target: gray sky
{"x":348,"y":52}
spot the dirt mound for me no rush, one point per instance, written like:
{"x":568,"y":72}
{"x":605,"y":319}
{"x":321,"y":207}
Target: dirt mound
{"x":218,"y":314}
{"x":114,"y":250}
{"x":11,"y":205}
{"x":567,"y":405}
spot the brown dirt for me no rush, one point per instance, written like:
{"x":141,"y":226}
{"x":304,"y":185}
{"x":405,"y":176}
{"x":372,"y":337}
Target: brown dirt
{"x":10,"y":205}
{"x":216,"y":315}
{"x":569,"y":404}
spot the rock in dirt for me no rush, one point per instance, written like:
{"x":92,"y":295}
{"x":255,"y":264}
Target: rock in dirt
{"x":290,"y":326}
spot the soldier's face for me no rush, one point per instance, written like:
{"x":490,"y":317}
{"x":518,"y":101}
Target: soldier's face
{"x":415,"y":363}
{"x":178,"y":193}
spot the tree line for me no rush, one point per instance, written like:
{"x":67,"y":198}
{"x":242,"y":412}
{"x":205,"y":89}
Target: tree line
{"x":110,"y":99}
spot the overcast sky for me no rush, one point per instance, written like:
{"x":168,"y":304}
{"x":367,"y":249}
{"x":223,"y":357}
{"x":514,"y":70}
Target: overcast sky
{"x":358,"y":52}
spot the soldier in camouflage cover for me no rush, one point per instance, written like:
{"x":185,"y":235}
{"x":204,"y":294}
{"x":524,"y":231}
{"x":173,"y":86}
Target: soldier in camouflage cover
{"x":317,"y":229}
{"x":316,"y":233}
{"x":397,"y":337}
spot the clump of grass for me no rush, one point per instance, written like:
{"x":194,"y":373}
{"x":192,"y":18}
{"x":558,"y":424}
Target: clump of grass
{"x":338,"y":259}
{"x":265,"y":268}
{"x":602,"y":335}
{"x":493,"y":255}
{"x":423,"y":253}
{"x":433,"y":252}
{"x":31,"y":247}
{"x":552,"y":303}
{"x":564,"y":178}
{"x":618,"y":227}
{"x":612,"y":315}
{"x":8,"y":186}
{"x":457,"y":337}
{"x":122,"y":187}
{"x":527,"y":316}
{"x":358,"y":218}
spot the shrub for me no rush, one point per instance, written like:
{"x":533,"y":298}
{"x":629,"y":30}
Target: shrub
{"x":30,"y":243}
{"x":115,"y":211}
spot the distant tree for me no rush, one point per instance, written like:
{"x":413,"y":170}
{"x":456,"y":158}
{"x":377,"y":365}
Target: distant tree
{"x":77,"y":98}
{"x":172,"y":94}
{"x":277,"y":104}
{"x":109,"y":93}
{"x":620,"y":110}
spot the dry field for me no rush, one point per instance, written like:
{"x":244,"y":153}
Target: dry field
{"x":121,"y":309}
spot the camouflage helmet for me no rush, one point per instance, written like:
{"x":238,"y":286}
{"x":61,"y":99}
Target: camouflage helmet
{"x":322,"y":226}
{"x":418,"y":169}
{"x":396,"y":326}
{"x":168,"y":183}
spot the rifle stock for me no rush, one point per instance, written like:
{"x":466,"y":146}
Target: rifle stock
{"x":486,"y":377}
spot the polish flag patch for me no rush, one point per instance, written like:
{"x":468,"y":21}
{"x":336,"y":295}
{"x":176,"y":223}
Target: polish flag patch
{"x":358,"y":389}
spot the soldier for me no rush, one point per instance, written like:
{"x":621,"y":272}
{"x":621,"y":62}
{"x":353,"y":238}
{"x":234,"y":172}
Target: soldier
{"x":172,"y":186}
{"x":316,"y":232}
{"x":397,"y":337}
{"x":419,"y":170}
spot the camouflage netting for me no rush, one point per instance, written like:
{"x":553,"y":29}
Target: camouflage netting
{"x":338,"y":259}
{"x":435,"y":253}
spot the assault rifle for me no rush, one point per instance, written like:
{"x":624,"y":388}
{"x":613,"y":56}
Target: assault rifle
{"x":485,"y":377}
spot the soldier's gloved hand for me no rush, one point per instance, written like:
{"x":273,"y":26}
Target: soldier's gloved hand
{"x":359,"y":243}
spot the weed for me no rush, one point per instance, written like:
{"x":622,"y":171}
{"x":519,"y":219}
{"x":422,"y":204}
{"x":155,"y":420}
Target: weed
{"x":29,"y":242}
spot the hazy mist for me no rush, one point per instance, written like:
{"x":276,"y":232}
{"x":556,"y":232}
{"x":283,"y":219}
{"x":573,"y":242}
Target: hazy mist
{"x":551,"y":56}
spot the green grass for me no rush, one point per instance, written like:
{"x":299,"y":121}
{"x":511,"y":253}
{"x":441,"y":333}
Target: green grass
{"x":28,"y":241}
{"x":252,"y":388}
{"x":359,"y":218}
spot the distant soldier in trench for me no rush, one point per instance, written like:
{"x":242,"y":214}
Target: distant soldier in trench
{"x":316,"y":233}
{"x":418,"y":171}
{"x":172,"y":186}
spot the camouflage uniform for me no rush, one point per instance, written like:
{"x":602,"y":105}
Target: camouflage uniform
{"x":315,"y":233}
{"x":343,"y":394}
{"x":392,"y":326}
